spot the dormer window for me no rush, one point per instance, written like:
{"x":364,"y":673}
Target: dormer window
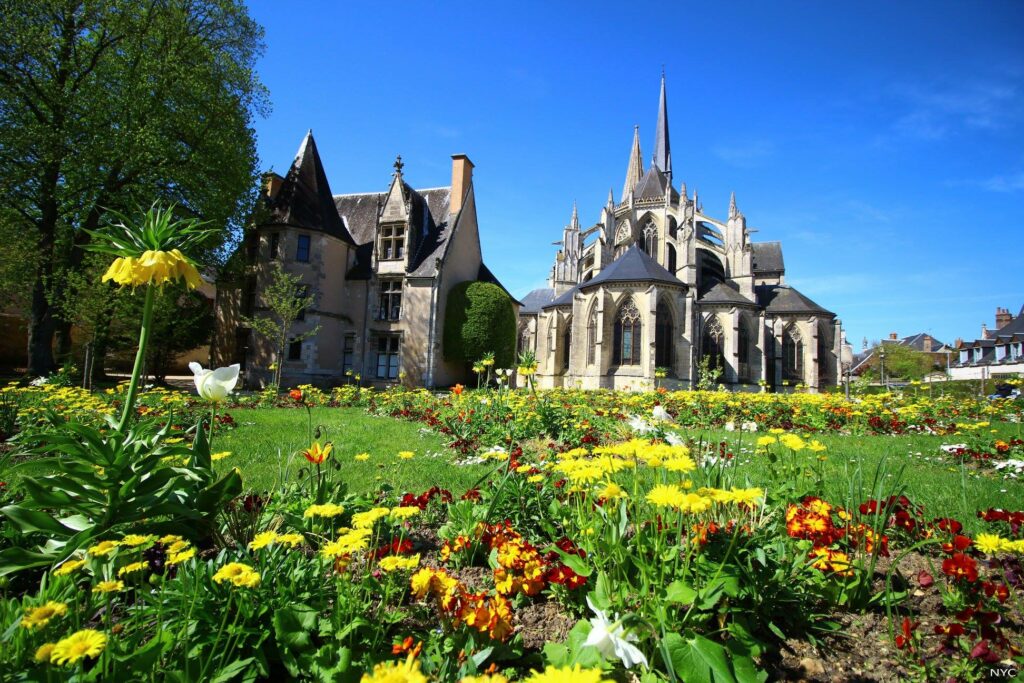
{"x":392,"y":242}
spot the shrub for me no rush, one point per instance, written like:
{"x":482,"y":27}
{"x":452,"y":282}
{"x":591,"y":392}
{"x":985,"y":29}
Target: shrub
{"x":480,"y":318}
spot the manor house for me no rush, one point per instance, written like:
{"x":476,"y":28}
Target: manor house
{"x":657,"y":285}
{"x":379,"y":266}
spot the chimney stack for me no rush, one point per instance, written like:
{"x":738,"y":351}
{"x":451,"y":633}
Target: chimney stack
{"x":271,"y":184}
{"x":927,"y":344}
{"x":984,"y":331}
{"x":893,"y":336}
{"x":1003,"y":318}
{"x":462,"y":178}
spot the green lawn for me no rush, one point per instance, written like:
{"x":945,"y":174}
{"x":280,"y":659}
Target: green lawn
{"x":266,"y":446}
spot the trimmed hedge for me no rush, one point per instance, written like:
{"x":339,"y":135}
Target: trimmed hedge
{"x":480,"y":318}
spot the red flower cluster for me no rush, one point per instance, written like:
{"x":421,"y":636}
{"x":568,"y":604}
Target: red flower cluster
{"x":423,"y":500}
{"x":396,"y":547}
{"x":815,"y":520}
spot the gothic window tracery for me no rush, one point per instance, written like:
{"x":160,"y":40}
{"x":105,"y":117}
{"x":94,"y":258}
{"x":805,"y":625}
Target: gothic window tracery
{"x":663,"y":337}
{"x":743,"y":351}
{"x":566,"y":344}
{"x":713,"y":343}
{"x":649,"y":238}
{"x":628,"y":331}
{"x":792,"y":354}
{"x":592,"y":337}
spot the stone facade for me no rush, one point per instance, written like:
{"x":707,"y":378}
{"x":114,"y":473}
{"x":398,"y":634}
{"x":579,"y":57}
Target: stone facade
{"x":378,"y":265}
{"x":657,"y":283}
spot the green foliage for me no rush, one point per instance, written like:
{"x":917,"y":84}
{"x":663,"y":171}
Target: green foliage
{"x":708,"y":374}
{"x":284,"y":302}
{"x":901,"y":362}
{"x":113,"y":480}
{"x":479,"y":319}
{"x":182,"y":320}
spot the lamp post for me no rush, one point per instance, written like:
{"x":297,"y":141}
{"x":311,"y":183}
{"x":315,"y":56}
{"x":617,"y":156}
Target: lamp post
{"x":846,"y":361}
{"x":881,"y":360}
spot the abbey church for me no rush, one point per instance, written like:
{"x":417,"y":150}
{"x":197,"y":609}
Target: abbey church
{"x":657,"y":288}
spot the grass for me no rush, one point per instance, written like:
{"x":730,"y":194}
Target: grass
{"x":266,"y":446}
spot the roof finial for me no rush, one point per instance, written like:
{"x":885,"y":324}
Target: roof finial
{"x":399,"y":165}
{"x":733,"y":211}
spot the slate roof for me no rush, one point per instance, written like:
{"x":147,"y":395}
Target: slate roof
{"x":767,"y":257}
{"x":564,"y":300}
{"x":536,"y":300}
{"x":785,"y":299}
{"x":652,"y":185}
{"x":1012,"y":329}
{"x":724,"y":293}
{"x":304,"y":199}
{"x":916,"y":342}
{"x":428,"y":220}
{"x":633,"y":266}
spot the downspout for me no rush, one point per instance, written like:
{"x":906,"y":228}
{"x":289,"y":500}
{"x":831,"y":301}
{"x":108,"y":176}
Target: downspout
{"x":364,"y":370}
{"x":433,"y":325}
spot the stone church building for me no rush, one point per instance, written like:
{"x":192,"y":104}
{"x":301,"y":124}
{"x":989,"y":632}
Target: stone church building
{"x":379,"y":266}
{"x":658,"y":284}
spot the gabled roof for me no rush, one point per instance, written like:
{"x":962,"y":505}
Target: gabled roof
{"x":1016,"y":325}
{"x":537,"y":299}
{"x":767,"y":257}
{"x":724,"y":293}
{"x":304,"y":199}
{"x":564,"y":300}
{"x":916,"y":342}
{"x":785,"y":299}
{"x":633,"y":266}
{"x":652,"y":185}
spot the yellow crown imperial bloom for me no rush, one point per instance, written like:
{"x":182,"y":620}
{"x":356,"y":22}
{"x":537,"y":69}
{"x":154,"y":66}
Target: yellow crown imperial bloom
{"x":77,"y":646}
{"x":153,"y":267}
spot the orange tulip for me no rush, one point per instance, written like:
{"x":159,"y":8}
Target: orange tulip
{"x":315,"y":454}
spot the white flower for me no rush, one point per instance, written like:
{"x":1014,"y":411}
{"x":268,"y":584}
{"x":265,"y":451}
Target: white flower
{"x":214,"y":385}
{"x":659,"y":413}
{"x":39,"y":381}
{"x":730,"y":426}
{"x":673,"y":439}
{"x":607,"y":636}
{"x":749,"y":426}
{"x":638,"y":425}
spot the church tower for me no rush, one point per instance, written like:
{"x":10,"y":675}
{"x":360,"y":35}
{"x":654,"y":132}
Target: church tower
{"x":738,"y":252}
{"x":565,"y":274}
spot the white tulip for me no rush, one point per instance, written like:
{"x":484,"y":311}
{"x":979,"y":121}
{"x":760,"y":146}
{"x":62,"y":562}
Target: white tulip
{"x":607,"y":636}
{"x":659,"y":413}
{"x":214,"y":385}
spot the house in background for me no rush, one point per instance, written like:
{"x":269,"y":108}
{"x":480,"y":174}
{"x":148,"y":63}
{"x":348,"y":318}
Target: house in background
{"x":379,"y":266}
{"x":941,"y":354}
{"x":999,"y":352}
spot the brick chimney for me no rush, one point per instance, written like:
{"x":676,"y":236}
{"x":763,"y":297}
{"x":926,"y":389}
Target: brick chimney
{"x":893,"y":336}
{"x":927,"y":344}
{"x":984,"y":331}
{"x":462,"y":178}
{"x":1003,"y":318}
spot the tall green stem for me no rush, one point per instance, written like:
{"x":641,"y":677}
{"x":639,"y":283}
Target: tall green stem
{"x":140,"y":356}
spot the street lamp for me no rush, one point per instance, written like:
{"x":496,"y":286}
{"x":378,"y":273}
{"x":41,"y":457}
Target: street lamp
{"x":846,"y":362}
{"x":881,"y":360}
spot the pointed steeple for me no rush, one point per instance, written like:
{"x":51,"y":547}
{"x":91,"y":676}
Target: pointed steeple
{"x":611,"y":198}
{"x":662,"y":151}
{"x":635,"y":169}
{"x":733,"y":211}
{"x":305,"y":200}
{"x":575,"y":223}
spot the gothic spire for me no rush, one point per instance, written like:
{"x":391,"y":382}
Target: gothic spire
{"x":662,"y":152}
{"x":635,"y":169}
{"x":733,"y":211}
{"x":611,"y":197}
{"x":575,"y":223}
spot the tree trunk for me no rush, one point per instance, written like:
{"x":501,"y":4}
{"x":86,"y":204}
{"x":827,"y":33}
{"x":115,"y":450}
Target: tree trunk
{"x":62,"y":333}
{"x":40,"y":332}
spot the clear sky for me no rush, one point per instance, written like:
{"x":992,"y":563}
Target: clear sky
{"x":882,"y":143}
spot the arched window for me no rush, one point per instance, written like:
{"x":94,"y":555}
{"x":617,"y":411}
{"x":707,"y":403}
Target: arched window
{"x":713,"y":343}
{"x":826,"y":360}
{"x":628,"y":329}
{"x":566,"y":344}
{"x":649,"y":238}
{"x":743,"y":352}
{"x":663,"y":338}
{"x":524,"y":338}
{"x":592,"y":337}
{"x":671,"y":259}
{"x":792,"y":354}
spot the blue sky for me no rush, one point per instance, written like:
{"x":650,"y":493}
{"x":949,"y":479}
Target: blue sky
{"x":882,"y":143}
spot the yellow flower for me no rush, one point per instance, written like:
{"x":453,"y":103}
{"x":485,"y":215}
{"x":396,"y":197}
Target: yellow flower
{"x":535,"y":478}
{"x":666,"y":496}
{"x":395,"y":562}
{"x":133,"y":540}
{"x":131,"y":568}
{"x":989,"y":543}
{"x":366,"y":520}
{"x":183,"y":556}
{"x":362,"y":457}
{"x":108,"y":587}
{"x":290,"y":540}
{"x":573,"y":674}
{"x":68,"y":567}
{"x":153,"y":267}
{"x":766,"y":441}
{"x":396,"y":672}
{"x":219,"y":456}
{"x":486,"y":678}
{"x":611,"y":491}
{"x":404,"y":512}
{"x":44,"y":652}
{"x":347,"y":543}
{"x":239,"y":574}
{"x":262,"y":540}
{"x":103,"y":548}
{"x":177,"y":547}
{"x":81,"y":644}
{"x":169,"y":539}
{"x":325,"y":510}
{"x":816,"y":446}
{"x":792,"y":441}
{"x":680,"y":463}
{"x":406,"y":455}
{"x":38,"y":617}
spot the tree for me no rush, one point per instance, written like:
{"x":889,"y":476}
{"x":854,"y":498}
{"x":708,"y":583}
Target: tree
{"x":902,"y":362}
{"x":284,"y":301}
{"x":110,"y":104}
{"x":479,"y":319}
{"x":182,"y":321}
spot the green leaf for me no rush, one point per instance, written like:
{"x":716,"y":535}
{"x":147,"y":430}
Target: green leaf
{"x":697,"y":659}
{"x":681,"y":593}
{"x":35,"y":520}
{"x":231,"y":670}
{"x":572,"y":561}
{"x":17,"y":559}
